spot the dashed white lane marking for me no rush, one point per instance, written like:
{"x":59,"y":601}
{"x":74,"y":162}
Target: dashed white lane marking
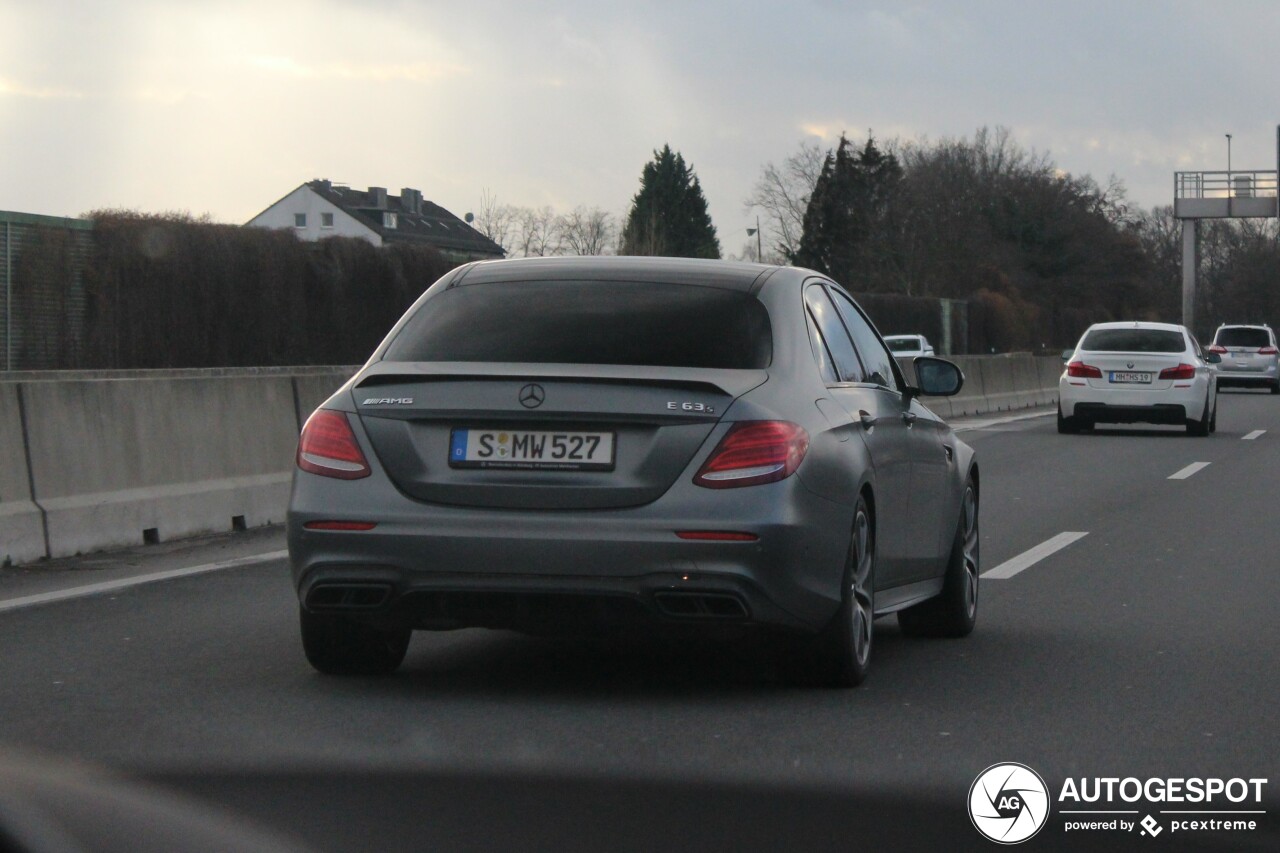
{"x":1189,"y":470}
{"x":1251,"y":436}
{"x":136,"y":580}
{"x":1027,"y":559}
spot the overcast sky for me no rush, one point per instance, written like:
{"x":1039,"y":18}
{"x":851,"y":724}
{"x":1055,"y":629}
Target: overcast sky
{"x":222,"y":107}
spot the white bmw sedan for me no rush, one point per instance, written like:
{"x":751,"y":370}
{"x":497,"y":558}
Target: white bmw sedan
{"x":1123,"y":373}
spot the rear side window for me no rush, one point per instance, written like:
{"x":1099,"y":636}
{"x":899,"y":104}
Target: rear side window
{"x":1242,"y":337}
{"x":833,"y":332}
{"x":589,"y":322}
{"x":1133,"y":340}
{"x":875,"y":358}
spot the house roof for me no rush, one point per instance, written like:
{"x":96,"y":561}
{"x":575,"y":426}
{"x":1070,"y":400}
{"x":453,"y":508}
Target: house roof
{"x":417,"y":220}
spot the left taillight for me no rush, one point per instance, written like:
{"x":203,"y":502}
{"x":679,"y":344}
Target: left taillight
{"x":328,"y":447}
{"x":754,"y":452}
{"x":1081,"y":370}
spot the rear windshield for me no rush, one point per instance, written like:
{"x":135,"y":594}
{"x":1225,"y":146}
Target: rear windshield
{"x":1133,"y":340}
{"x":903,"y":345}
{"x":1240,"y":337}
{"x":589,"y":322}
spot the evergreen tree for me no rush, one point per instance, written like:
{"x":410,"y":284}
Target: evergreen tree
{"x":669,"y":214}
{"x":848,"y":212}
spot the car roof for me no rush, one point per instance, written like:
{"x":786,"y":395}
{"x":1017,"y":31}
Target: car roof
{"x":1245,"y":326}
{"x":731,"y":275}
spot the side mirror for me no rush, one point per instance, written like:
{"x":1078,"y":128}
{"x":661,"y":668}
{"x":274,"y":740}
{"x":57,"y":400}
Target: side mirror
{"x":937,"y":377}
{"x":1212,"y":358}
{"x":1066,"y":355}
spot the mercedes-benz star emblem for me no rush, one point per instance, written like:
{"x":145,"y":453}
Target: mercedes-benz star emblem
{"x":531,"y":396}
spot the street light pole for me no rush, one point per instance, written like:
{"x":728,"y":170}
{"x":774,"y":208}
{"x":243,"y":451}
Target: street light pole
{"x":1228,"y":157}
{"x":759,"y":250}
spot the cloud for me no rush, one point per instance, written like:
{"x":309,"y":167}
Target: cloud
{"x":20,"y":90}
{"x":412,"y":72}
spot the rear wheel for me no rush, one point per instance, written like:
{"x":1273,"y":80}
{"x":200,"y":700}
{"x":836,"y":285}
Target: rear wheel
{"x":1067,"y":425}
{"x":1275,"y":387}
{"x":336,"y":645}
{"x":954,"y":612}
{"x":840,"y":655}
{"x":1200,"y":428}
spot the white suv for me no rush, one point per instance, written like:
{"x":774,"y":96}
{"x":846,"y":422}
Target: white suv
{"x":1249,"y":356}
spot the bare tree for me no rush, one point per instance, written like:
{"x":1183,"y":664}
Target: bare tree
{"x":781,"y":195}
{"x":496,"y":221}
{"x":536,"y":234}
{"x":585,"y":231}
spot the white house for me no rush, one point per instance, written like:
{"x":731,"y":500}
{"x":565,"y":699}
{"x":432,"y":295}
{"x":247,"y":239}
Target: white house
{"x":320,"y":209}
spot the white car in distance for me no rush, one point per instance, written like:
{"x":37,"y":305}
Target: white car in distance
{"x":1123,"y":373}
{"x":908,"y":346}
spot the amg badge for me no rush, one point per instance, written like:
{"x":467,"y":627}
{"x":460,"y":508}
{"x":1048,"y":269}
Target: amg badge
{"x":388,"y":401}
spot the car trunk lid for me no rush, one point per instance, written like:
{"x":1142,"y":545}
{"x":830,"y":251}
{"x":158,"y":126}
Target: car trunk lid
{"x":541,"y":436}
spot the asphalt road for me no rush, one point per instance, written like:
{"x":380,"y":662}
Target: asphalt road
{"x":1144,"y":648}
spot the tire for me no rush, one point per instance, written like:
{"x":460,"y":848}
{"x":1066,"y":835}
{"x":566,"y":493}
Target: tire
{"x":1200,"y":428}
{"x":336,"y":645}
{"x":840,"y":655}
{"x":1067,"y":426}
{"x":954,"y":612}
{"x":1275,"y":388}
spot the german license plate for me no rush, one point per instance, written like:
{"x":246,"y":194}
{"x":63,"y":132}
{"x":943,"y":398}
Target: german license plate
{"x":1131,"y":378}
{"x":533,"y":450}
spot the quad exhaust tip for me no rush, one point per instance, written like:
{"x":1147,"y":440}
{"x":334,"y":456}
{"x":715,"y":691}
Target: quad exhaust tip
{"x":700,"y":605}
{"x":348,"y":596}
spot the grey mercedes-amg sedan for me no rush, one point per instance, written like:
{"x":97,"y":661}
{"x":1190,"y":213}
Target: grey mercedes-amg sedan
{"x":611,"y":445}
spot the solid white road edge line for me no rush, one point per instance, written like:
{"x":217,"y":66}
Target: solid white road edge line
{"x":1189,"y":470}
{"x":1027,"y":559}
{"x":1251,"y":436}
{"x":136,"y":580}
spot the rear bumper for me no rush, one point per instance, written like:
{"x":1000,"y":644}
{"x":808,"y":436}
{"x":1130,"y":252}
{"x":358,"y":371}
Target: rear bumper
{"x":451,"y":567}
{"x":1109,"y":405}
{"x":1247,"y":378}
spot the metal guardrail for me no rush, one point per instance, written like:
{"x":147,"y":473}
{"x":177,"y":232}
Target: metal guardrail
{"x":1232,"y":184}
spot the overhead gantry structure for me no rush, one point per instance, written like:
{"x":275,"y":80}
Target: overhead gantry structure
{"x":1233,"y":194}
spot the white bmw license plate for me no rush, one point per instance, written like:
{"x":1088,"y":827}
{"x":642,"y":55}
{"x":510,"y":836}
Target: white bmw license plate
{"x":1131,"y":378}
{"x":535,"y":450}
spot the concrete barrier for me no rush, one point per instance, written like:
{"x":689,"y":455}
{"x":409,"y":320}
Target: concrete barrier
{"x":972,"y":397}
{"x":21,"y":524}
{"x":1050,"y":370}
{"x":124,"y":458}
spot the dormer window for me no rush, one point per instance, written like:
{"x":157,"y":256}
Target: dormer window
{"x":388,"y":219}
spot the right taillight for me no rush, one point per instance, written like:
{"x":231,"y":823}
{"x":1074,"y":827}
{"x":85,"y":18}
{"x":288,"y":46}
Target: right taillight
{"x":1084,"y":371}
{"x":754,"y":452}
{"x":328,"y":447}
{"x":1182,"y":371}
{"x":1265,"y":351}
